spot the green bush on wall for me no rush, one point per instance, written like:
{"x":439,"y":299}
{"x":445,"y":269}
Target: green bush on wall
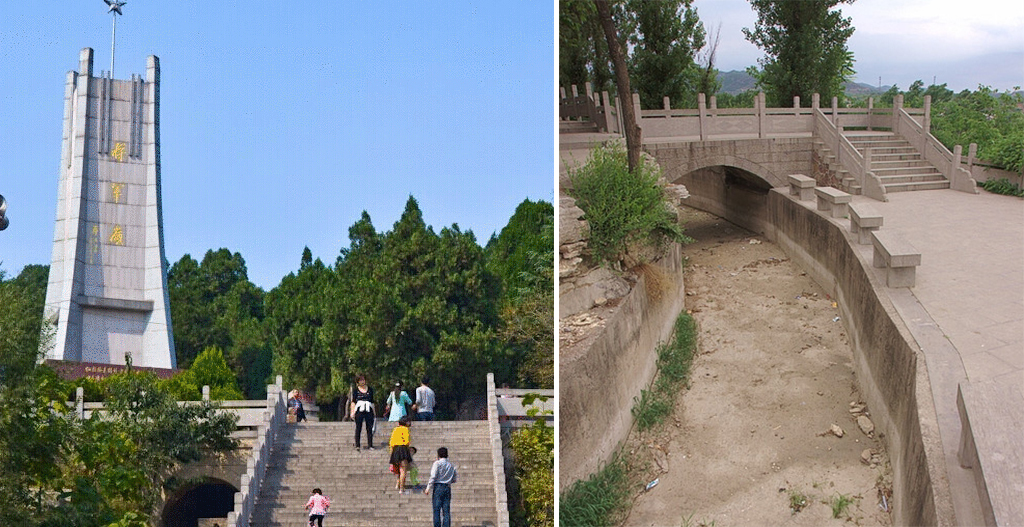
{"x":624,"y":209}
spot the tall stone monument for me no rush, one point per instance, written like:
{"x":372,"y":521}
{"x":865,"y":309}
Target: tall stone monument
{"x":107,"y":291}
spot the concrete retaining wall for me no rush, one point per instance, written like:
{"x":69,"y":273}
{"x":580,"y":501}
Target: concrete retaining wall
{"x":597,"y":387}
{"x":890,"y":369}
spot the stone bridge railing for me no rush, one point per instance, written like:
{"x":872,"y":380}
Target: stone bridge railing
{"x":256,"y":466}
{"x":709,"y":123}
{"x":591,"y":107}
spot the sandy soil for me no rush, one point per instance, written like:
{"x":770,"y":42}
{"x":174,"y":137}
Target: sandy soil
{"x":774,"y":374}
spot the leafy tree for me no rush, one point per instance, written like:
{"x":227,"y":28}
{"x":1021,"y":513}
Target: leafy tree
{"x":527,"y":310}
{"x":213,"y":303}
{"x":120,"y":458}
{"x":582,"y":49}
{"x":533,"y":448}
{"x":739,"y":100}
{"x":33,"y":434}
{"x":295,"y":317}
{"x":509,"y":253}
{"x":991,"y":119}
{"x":805,"y":49}
{"x":667,"y":37}
{"x":209,"y":369}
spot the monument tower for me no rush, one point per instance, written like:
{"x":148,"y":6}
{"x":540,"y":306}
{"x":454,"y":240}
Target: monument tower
{"x":107,"y":291}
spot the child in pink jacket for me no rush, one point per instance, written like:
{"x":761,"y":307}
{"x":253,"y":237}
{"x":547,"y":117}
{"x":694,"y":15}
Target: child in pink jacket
{"x":317,"y":506}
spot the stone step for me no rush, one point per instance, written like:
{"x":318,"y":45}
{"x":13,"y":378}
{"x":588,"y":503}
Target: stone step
{"x":899,"y":156}
{"x":908,"y":172}
{"x":909,"y":187}
{"x":576,"y":127}
{"x":359,"y":482}
{"x":900,"y":163}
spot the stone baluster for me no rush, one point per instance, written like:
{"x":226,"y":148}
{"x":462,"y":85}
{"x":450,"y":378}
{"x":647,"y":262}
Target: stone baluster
{"x":871,"y":106}
{"x":927,"y":124}
{"x":700,"y":117}
{"x":591,"y":107}
{"x":759,"y":105}
{"x":80,"y":402}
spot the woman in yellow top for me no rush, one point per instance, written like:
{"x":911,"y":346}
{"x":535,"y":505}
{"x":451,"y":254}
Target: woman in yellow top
{"x":401,"y":453}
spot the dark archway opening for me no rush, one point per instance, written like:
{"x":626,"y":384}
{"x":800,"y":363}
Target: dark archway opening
{"x":731,"y":193}
{"x":737,"y":177}
{"x":211,"y":499}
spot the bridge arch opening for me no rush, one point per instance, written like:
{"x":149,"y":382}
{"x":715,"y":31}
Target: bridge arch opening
{"x":207,"y":498}
{"x":733,"y":193}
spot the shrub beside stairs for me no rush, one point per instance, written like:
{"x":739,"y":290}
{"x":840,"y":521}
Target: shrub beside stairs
{"x":360,"y":484}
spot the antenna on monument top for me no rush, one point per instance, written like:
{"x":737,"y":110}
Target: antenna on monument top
{"x":115,"y":9}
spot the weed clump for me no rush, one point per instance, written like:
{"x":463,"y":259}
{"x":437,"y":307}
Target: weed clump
{"x":597,"y":501}
{"x":1002,"y":186}
{"x":674,"y":361}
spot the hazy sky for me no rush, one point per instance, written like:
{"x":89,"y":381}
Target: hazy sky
{"x":962,"y":44}
{"x":282,"y":121}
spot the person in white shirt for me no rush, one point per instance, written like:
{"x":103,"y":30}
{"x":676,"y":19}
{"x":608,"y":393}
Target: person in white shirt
{"x":425,"y":401}
{"x":442,"y":475}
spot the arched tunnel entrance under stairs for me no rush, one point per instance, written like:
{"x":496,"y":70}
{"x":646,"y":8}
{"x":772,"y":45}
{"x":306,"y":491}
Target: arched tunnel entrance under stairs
{"x":208,"y":498}
{"x":729,"y":192}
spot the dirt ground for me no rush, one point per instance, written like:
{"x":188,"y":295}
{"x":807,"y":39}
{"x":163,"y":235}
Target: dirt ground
{"x":773,"y":376}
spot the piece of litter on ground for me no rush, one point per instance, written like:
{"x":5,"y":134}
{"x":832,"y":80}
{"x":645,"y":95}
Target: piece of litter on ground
{"x":835,"y":319}
{"x":835,"y":305}
{"x":652,"y":484}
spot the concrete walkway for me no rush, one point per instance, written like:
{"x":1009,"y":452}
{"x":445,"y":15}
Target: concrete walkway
{"x":966,"y":310}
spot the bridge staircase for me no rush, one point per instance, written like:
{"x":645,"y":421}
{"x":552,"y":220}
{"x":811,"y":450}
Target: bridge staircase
{"x":577,"y":127}
{"x":359,"y":483}
{"x":899,"y":165}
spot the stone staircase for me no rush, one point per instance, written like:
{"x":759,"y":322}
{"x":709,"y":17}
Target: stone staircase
{"x":898,"y":164}
{"x":577,"y":127}
{"x":359,"y":482}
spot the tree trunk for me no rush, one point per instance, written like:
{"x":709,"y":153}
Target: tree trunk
{"x":632,"y":130}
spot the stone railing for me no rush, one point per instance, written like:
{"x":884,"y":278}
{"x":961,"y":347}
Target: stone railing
{"x":934,"y":152}
{"x":513,"y":414}
{"x":857,"y":165}
{"x":497,"y":459}
{"x":256,"y":465}
{"x":592,"y":107}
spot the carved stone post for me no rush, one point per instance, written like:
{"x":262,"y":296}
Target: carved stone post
{"x":700,"y":116}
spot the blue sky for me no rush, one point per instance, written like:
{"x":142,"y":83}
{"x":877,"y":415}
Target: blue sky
{"x":281,"y":122}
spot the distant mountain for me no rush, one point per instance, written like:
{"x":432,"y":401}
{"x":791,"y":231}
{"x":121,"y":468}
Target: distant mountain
{"x":735,"y":82}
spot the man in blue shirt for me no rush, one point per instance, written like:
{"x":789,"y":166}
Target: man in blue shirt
{"x":442,"y":475}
